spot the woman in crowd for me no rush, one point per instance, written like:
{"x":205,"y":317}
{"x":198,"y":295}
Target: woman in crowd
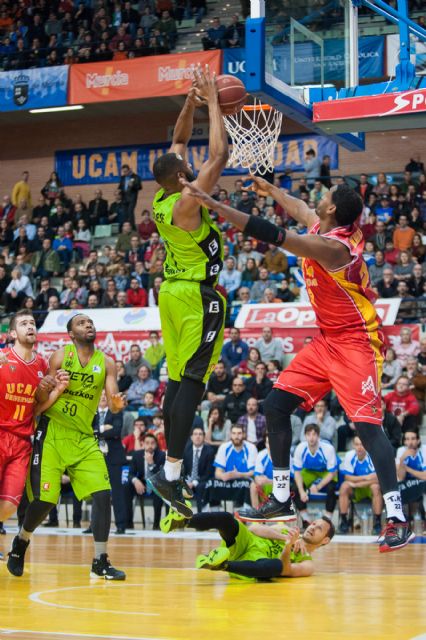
{"x":53,"y":187}
{"x":418,"y":249}
{"x":248,"y":367}
{"x":391,"y":369}
{"x":404,"y":268}
{"x":218,"y":429}
{"x":250,"y":273}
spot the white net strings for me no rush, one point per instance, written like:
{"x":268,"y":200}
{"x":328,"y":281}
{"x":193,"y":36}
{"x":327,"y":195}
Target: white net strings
{"x":254,"y":134}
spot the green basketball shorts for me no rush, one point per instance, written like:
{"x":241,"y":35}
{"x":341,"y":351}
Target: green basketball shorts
{"x":59,"y":449}
{"x":192,"y":323}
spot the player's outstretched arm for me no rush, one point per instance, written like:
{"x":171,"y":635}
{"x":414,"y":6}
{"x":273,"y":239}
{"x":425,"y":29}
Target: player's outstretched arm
{"x":212,"y":169}
{"x":185,"y":123}
{"x":294,"y":207}
{"x":330,"y":253}
{"x":265,"y":531}
{"x":116,"y":400}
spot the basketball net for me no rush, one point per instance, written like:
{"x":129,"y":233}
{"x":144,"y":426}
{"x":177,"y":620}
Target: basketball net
{"x":254,"y":133}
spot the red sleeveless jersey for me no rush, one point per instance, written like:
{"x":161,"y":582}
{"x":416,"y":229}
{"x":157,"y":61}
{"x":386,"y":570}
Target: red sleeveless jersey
{"x":342,"y":299}
{"x":18,"y":383}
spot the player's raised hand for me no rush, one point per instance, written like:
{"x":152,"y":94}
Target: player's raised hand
{"x":118,"y":402}
{"x":293,"y":535}
{"x":201,"y":196}
{"x":205,"y":83}
{"x":195,"y":98}
{"x":260,"y":186}
{"x":299,"y":546}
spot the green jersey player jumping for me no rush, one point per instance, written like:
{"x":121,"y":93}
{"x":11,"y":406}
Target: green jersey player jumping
{"x":192,"y":311}
{"x":64,"y":441}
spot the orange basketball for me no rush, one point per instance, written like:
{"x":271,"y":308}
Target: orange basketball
{"x":232,"y":94}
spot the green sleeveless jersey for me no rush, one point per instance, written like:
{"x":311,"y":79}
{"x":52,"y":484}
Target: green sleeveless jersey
{"x":78,"y":405}
{"x":191,"y":255}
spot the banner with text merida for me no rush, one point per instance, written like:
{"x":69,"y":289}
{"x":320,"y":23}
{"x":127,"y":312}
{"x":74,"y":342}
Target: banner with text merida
{"x":103,"y":165}
{"x":150,"y":77}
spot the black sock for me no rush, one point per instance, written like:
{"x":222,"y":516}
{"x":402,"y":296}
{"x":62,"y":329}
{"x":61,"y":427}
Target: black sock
{"x":182,"y":414}
{"x":35,"y":514}
{"x":382,"y":454}
{"x":344,"y":517}
{"x":101,"y":515}
{"x":224,"y":522}
{"x":278,"y":407}
{"x":170,"y":395}
{"x":264,"y":568}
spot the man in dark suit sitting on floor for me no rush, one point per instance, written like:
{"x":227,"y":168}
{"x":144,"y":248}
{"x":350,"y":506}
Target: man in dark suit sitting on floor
{"x":144,"y":464}
{"x":198,"y":461}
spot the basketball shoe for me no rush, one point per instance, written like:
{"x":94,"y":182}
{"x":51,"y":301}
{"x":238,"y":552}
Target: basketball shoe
{"x":102,"y":568}
{"x":394,"y":536}
{"x":171,"y":492}
{"x":16,"y":556}
{"x":272,"y":510}
{"x":172,"y":522}
{"x":216,"y":560}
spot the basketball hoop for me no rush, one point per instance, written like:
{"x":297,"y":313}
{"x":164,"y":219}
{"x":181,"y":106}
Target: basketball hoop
{"x":254,"y":133}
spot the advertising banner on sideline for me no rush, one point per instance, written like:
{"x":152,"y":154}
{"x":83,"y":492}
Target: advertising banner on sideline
{"x":103,"y":165}
{"x":33,"y":88}
{"x":150,"y":77}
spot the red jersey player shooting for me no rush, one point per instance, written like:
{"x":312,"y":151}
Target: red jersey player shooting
{"x":347,"y":356}
{"x":23,"y":384}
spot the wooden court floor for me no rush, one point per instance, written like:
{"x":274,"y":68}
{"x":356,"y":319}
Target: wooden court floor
{"x":356,"y":594}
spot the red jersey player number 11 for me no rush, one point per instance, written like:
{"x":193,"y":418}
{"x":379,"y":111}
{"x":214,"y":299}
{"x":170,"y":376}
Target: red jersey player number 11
{"x":23,"y":383}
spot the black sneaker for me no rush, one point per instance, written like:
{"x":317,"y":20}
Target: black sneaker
{"x":16,"y":556}
{"x":394,"y":536}
{"x":51,"y":523}
{"x":344,"y":527}
{"x":272,"y":511}
{"x":102,"y":568}
{"x":170,"y":493}
{"x":2,"y":529}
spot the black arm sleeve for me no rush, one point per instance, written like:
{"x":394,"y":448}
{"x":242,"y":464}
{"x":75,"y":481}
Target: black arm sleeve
{"x":265,"y":231}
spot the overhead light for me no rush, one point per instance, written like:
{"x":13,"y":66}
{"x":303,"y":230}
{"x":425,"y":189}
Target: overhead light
{"x":72,"y":107}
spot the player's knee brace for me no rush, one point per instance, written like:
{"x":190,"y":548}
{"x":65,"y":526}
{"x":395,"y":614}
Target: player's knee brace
{"x":35,"y":514}
{"x":278,"y":407}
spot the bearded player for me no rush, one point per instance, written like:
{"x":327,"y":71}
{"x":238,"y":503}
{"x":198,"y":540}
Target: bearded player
{"x":64,"y":440}
{"x":192,"y":311}
{"x":347,"y":356}
{"x":258,"y":551}
{"x":23,"y":382}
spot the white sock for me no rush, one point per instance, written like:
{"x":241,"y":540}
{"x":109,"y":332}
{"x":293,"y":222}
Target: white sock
{"x":393,"y":505}
{"x":172,"y":470}
{"x":100,"y":549}
{"x":25,"y":535}
{"x":281,"y":484}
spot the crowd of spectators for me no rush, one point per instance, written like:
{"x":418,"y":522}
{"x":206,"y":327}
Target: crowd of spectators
{"x":36,"y":33}
{"x":47,"y":262}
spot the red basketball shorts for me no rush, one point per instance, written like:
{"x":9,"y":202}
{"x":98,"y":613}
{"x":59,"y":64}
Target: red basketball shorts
{"x":349,"y":364}
{"x":15,"y":454}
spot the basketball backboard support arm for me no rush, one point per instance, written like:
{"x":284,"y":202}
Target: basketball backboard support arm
{"x":274,"y":91}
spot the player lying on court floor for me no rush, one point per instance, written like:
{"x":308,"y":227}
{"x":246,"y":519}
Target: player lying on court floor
{"x":259,"y":551}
